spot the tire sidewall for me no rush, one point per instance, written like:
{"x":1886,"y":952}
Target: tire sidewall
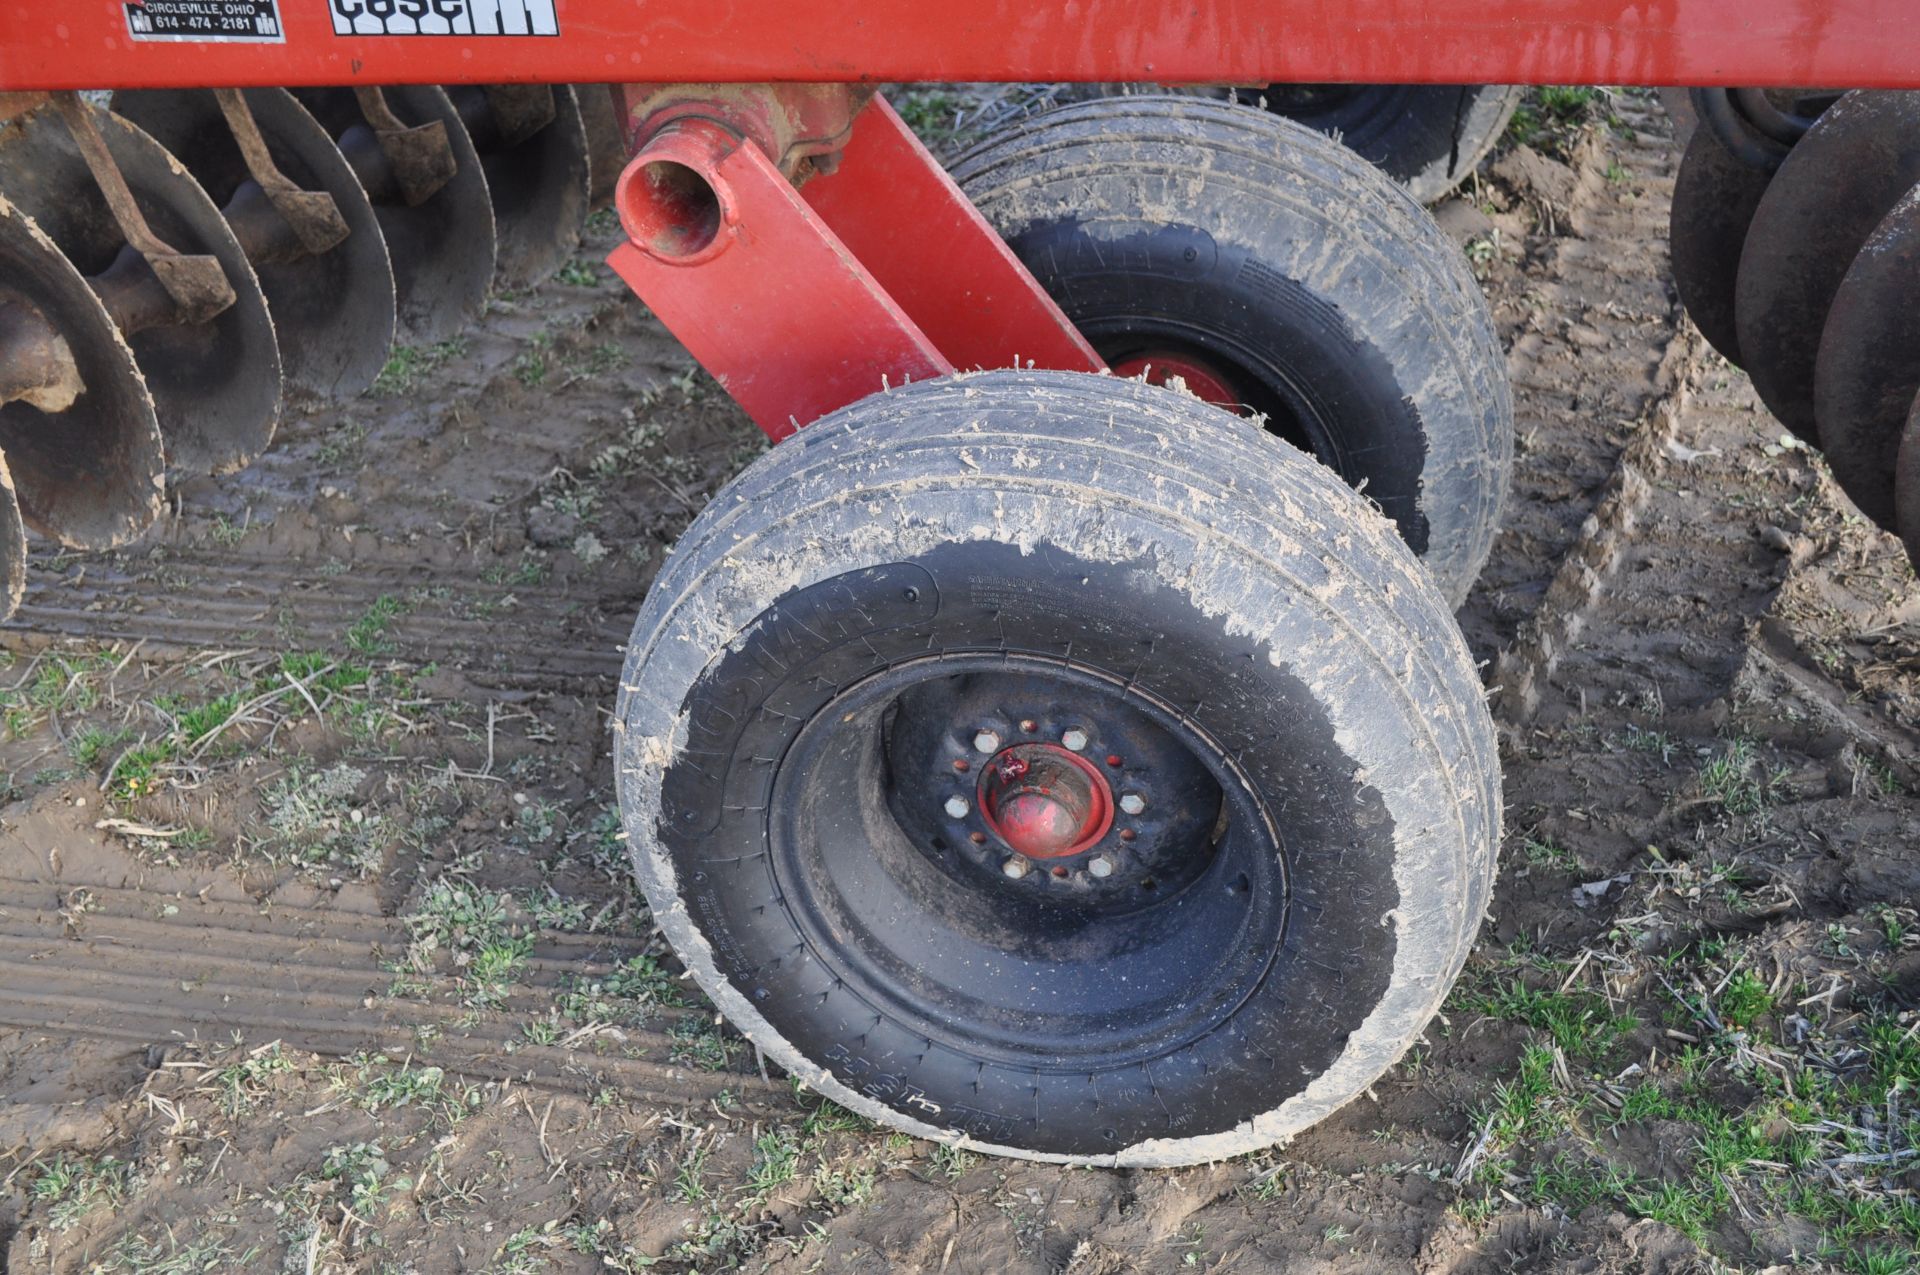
{"x":803,"y":531}
{"x":1300,"y":250}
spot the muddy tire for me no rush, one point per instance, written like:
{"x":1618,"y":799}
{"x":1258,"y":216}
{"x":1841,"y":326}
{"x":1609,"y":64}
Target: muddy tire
{"x":1428,"y":137}
{"x":1040,"y":619}
{"x":1178,"y":231}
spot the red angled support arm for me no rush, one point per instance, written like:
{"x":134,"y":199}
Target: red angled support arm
{"x":896,"y":209}
{"x":723,"y":249}
{"x":800,"y":301}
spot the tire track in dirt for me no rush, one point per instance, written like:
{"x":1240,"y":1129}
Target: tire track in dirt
{"x":101,"y":945}
{"x":1590,"y":321}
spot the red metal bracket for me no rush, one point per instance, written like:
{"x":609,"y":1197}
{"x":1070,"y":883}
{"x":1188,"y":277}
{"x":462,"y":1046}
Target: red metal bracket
{"x":723,"y":249}
{"x":799,"y":304}
{"x":896,"y":209}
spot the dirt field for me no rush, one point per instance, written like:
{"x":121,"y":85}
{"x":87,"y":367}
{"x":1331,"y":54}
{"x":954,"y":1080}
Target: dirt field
{"x":321,"y":954}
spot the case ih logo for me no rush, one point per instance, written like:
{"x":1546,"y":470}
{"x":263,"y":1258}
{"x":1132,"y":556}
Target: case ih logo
{"x":444,"y":17}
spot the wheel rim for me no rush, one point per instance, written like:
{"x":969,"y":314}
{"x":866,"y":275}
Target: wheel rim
{"x":1030,"y":861}
{"x":1202,"y":379}
{"x":1220,"y":370}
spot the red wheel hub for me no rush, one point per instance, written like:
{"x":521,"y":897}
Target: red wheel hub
{"x":1162,"y":366}
{"x":1045,"y":802}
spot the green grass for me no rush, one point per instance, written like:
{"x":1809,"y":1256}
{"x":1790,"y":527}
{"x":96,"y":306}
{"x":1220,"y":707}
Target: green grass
{"x":369,"y":634}
{"x":1734,"y":780}
{"x":530,"y":368}
{"x":92,"y":744}
{"x":470,"y":926}
{"x":137,"y":773}
{"x":1553,"y":116}
{"x":701,"y":1045}
{"x":241,"y":1083}
{"x":138,"y":1254}
{"x":371,"y":1183}
{"x":776,"y":1162}
{"x":73,"y":1186}
{"x":407,"y":365}
{"x":1579,"y":1021}
{"x":1745,"y":999}
{"x":629,"y":995}
{"x":59,"y":682}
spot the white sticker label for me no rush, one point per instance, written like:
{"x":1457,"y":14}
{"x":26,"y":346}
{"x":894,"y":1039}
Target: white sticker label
{"x":205,"y":21}
{"x":444,"y":17}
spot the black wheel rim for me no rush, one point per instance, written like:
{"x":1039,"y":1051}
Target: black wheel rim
{"x":907,"y":899}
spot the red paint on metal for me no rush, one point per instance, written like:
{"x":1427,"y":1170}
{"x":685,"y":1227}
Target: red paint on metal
{"x":1202,"y":381}
{"x":1858,"y":43}
{"x":1045,"y":802}
{"x":895,"y":208}
{"x":755,"y":285}
{"x":792,"y":123}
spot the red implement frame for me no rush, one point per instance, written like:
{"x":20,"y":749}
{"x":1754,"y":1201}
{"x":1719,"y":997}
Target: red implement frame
{"x":1857,"y":43}
{"x":810,"y":252}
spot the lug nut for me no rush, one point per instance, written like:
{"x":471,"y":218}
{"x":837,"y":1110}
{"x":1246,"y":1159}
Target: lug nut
{"x":1015,"y":868}
{"x":1101,"y":866}
{"x":1028,"y":726}
{"x":1075,"y":740}
{"x":1132,"y":802}
{"x":957,"y":807}
{"x":987,"y":742}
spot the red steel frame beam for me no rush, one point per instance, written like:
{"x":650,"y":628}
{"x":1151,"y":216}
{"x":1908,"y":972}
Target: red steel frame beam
{"x":46,"y":44}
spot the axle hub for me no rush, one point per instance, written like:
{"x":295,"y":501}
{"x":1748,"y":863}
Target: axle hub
{"x":1045,"y":802}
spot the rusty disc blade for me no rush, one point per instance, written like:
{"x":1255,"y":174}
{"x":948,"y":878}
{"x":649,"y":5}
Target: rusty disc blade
{"x":606,"y":145}
{"x":1906,"y":487}
{"x":539,"y":184}
{"x":90,"y":476}
{"x":1869,"y":367}
{"x":1714,"y":196}
{"x":1833,"y":188}
{"x":442,"y":248}
{"x":13,"y":545}
{"x":334,"y":310}
{"x":215,"y":385}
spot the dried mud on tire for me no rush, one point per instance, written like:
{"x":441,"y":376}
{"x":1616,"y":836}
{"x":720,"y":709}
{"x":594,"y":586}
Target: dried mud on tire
{"x":320,"y":954}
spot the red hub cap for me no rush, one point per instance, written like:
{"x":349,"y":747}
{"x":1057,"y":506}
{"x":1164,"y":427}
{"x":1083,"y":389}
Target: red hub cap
{"x":1045,"y":802}
{"x":1161,"y":366}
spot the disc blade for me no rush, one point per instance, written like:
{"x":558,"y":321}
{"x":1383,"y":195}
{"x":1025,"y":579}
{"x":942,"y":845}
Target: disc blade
{"x":1714,"y":197}
{"x":1906,"y":487}
{"x":13,"y":545}
{"x":539,"y":186}
{"x":1869,"y":366}
{"x":91,"y":476}
{"x":334,"y":310}
{"x":1834,"y":187}
{"x":215,"y":385}
{"x":443,"y":248}
{"x":606,"y":144}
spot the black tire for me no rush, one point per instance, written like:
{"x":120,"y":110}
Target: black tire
{"x":1428,"y":137}
{"x":1163,"y":575}
{"x":1323,"y":294}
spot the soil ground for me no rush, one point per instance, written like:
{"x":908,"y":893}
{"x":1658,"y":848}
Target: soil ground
{"x":321,"y":955}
